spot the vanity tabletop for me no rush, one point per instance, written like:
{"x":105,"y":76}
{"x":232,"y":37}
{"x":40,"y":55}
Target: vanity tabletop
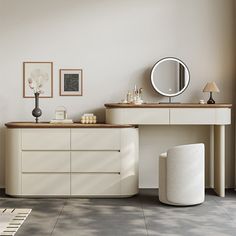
{"x":168,"y":105}
{"x":72,"y":125}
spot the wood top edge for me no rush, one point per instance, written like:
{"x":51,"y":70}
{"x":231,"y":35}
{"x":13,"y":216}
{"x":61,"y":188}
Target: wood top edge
{"x":73,"y":125}
{"x":167,"y":105}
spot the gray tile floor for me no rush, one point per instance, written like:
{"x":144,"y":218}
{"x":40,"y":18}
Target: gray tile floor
{"x":139,"y":215}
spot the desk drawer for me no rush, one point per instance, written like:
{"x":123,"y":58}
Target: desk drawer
{"x":46,"y":161}
{"x":95,"y":139}
{"x":141,"y":116}
{"x":95,"y":184}
{"x":45,"y":139}
{"x":46,"y":184}
{"x":188,"y":116}
{"x":95,"y":161}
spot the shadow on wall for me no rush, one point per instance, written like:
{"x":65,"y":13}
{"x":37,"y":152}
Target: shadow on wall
{"x":149,"y":92}
{"x":99,"y":112}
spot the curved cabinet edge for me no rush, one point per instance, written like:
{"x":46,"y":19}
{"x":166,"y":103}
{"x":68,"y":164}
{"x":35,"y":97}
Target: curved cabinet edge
{"x":129,"y":161}
{"x":13,"y":161}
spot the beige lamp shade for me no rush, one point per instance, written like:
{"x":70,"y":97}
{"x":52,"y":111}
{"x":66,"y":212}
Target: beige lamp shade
{"x":211,"y":87}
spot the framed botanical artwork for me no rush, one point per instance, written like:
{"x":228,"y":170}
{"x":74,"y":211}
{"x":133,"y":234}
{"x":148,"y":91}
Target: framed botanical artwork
{"x":71,"y":82}
{"x":38,"y":75}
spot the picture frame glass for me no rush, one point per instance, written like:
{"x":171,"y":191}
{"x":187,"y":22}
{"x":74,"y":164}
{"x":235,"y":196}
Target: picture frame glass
{"x":71,"y":82}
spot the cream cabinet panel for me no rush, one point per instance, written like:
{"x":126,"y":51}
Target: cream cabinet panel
{"x":45,"y":161}
{"x":141,"y":116}
{"x":187,"y":116}
{"x":95,"y":184}
{"x":45,"y":184}
{"x":95,"y":161}
{"x":94,"y":139}
{"x":45,"y":139}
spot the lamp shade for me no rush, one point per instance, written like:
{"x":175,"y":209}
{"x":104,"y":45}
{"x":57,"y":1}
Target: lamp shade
{"x":211,"y":87}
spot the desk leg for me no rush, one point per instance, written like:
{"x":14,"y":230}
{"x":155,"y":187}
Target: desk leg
{"x":211,"y":161}
{"x":219,"y":160}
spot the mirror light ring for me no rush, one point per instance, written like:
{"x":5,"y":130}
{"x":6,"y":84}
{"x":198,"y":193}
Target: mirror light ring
{"x":169,"y":59}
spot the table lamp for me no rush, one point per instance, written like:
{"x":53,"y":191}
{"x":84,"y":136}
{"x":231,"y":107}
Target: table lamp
{"x":211,"y":87}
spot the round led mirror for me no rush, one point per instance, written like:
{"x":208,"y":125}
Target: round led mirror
{"x":170,"y":77}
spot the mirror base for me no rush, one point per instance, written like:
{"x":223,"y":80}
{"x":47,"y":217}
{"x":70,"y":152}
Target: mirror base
{"x":169,"y":102}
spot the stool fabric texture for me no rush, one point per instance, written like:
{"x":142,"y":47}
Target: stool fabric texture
{"x":181,"y":175}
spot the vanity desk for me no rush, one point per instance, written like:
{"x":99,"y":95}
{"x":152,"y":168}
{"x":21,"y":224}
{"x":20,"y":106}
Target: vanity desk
{"x":92,"y":160}
{"x":215,"y":115}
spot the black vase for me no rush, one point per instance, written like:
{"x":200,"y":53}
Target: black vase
{"x":37,"y":111}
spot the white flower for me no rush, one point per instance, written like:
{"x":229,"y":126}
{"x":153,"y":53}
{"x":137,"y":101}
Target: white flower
{"x":37,"y":80}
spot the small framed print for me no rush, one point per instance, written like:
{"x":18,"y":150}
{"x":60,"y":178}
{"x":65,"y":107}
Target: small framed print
{"x":71,"y":82}
{"x":40,"y":75}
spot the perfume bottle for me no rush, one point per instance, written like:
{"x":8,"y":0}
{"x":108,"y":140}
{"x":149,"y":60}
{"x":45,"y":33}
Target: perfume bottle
{"x":129,"y":97}
{"x":137,"y":99}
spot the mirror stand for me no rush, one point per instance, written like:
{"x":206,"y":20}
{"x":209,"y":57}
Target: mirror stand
{"x":170,"y":102}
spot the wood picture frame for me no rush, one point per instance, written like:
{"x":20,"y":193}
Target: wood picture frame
{"x":71,"y":82}
{"x":29,"y":68}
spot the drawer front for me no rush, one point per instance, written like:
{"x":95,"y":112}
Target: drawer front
{"x":95,"y":184}
{"x":223,"y":116}
{"x":141,"y":116}
{"x":45,"y":184}
{"x":196,"y":116}
{"x":95,"y":161}
{"x":95,"y":139}
{"x":46,"y":161}
{"x":45,"y":139}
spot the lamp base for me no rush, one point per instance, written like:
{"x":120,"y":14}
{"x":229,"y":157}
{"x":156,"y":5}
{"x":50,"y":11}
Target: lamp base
{"x":211,"y":100}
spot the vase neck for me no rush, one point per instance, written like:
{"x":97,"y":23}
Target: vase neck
{"x":36,"y":99}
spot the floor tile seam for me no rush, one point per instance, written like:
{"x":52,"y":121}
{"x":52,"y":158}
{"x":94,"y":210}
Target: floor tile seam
{"x":64,"y":203}
{"x":144,"y":217}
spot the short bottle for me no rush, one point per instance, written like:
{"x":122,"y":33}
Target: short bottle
{"x":129,"y":97}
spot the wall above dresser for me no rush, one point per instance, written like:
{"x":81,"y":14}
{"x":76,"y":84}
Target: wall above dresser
{"x":116,"y":43}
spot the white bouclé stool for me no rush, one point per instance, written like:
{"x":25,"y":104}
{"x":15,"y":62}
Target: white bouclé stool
{"x":181,"y":175}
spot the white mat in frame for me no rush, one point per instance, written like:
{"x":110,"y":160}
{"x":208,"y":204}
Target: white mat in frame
{"x":11,"y":220}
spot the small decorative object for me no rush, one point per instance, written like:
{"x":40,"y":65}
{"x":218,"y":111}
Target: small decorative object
{"x":61,"y":116}
{"x":89,"y":118}
{"x":71,"y":82}
{"x":60,"y":113}
{"x":39,"y":75}
{"x":129,"y":97}
{"x":134,"y":97}
{"x":211,"y":87}
{"x":124,"y":101}
{"x":66,"y":121}
{"x":201,"y":101}
{"x":137,"y":99}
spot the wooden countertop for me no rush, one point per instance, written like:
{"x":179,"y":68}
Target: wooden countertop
{"x":73,"y":125}
{"x":167,"y":105}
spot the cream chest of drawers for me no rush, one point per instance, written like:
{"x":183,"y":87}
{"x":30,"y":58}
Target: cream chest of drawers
{"x":71,"y":160}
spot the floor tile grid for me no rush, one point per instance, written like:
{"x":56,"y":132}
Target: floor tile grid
{"x":97,"y":203}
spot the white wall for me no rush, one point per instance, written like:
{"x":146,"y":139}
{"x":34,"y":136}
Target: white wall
{"x":116,"y":43}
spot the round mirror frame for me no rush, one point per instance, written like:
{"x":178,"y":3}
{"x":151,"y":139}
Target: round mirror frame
{"x":152,"y":76}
